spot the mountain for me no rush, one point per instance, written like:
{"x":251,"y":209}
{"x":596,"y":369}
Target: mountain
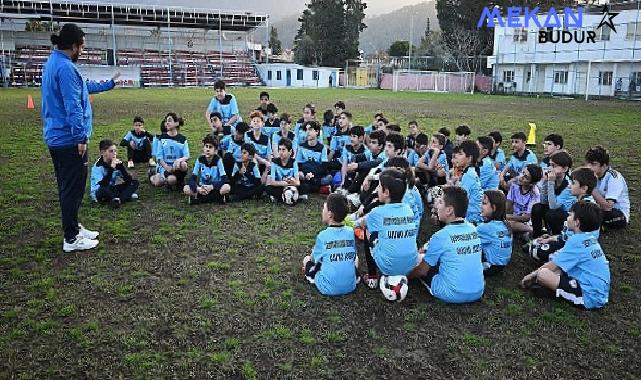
{"x":382,"y":30}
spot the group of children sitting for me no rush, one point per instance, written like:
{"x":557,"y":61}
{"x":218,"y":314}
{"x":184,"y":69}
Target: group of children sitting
{"x":379,"y":184}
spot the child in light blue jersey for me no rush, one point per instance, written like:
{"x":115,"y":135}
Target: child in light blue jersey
{"x":433,"y":166}
{"x":172,"y":153}
{"x":497,"y":154}
{"x":333,"y":264}
{"x":209,"y":182}
{"x":312,"y":161}
{"x":579,"y":272}
{"x":284,"y":132}
{"x":329,"y":126}
{"x":551,"y":144}
{"x":495,"y":235}
{"x":488,"y":175}
{"x":556,"y":198}
{"x":465,"y":156}
{"x":283,"y":172}
{"x":230,"y":146}
{"x":138,"y":143}
{"x":391,"y":230}
{"x":260,"y":141}
{"x":520,"y":158}
{"x":582,"y":185}
{"x":450,"y":263}
{"x":105,"y":175}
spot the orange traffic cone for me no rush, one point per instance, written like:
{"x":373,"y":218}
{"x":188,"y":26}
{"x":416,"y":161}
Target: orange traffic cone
{"x":90,"y":98}
{"x":30,"y":102}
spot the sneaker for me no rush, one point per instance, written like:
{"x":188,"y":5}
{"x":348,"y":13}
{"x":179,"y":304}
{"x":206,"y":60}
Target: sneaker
{"x":341,"y":191}
{"x":192,"y":200}
{"x":325,"y":190}
{"x":152,"y":162}
{"x":130,"y":164}
{"x":272,"y":198}
{"x":151,"y":172}
{"x":87,"y":234}
{"x":116,"y":203}
{"x":303,"y":197}
{"x":134,"y":197}
{"x":370,"y":280}
{"x":80,"y":244}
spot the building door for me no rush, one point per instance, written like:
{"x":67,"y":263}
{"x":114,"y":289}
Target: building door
{"x":527,"y":78}
{"x":289,"y":78}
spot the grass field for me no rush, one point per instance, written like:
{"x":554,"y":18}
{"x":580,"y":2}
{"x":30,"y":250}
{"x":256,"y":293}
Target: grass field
{"x":216,"y":291}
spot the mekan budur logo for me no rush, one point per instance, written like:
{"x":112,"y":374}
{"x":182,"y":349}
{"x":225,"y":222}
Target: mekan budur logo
{"x":571,"y":19}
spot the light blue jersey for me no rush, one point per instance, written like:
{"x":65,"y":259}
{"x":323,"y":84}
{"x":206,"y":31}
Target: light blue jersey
{"x":583,"y":259}
{"x":226,"y":107}
{"x":229,"y":144}
{"x":280,"y":171}
{"x":393,"y":231}
{"x":517,"y":163}
{"x":171,"y":148}
{"x":489,"y":176}
{"x":496,"y":241}
{"x":412,"y":198}
{"x":335,"y":250}
{"x":456,"y":251}
{"x":471,"y":183}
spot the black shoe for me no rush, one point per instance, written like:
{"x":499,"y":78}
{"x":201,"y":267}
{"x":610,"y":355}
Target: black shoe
{"x":542,"y":292}
{"x":116,"y":203}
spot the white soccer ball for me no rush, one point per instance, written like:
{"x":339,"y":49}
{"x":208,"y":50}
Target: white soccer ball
{"x":290,"y":195}
{"x":394,"y":288}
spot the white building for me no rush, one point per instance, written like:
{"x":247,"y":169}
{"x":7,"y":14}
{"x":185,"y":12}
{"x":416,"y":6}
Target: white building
{"x":293,"y":75}
{"x":611,"y":66}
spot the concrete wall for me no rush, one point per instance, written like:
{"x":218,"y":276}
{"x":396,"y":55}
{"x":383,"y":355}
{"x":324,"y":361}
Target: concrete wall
{"x":307,"y":80}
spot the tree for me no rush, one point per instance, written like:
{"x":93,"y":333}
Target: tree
{"x":274,"y":42}
{"x":329,"y":32}
{"x":400,"y":48}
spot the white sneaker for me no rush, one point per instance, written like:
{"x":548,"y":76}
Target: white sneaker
{"x":80,"y":244}
{"x":303,"y":197}
{"x":130,"y":164}
{"x":134,"y":196}
{"x":87,"y":234}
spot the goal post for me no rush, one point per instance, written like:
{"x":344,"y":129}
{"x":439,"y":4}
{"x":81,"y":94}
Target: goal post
{"x":433,"y":81}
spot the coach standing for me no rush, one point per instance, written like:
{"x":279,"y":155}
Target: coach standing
{"x":67,"y":119}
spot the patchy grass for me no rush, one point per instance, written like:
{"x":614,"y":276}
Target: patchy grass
{"x":216,"y":291}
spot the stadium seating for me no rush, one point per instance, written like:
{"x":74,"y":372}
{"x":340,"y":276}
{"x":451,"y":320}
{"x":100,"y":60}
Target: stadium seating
{"x":157,"y":67}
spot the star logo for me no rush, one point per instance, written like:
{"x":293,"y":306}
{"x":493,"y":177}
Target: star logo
{"x":607,"y":18}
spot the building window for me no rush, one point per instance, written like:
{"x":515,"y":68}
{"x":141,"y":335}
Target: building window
{"x":315,"y":75}
{"x":605,"y":78}
{"x":561,"y":77}
{"x":279,"y":75}
{"x":269,"y":75}
{"x":634,"y":28}
{"x":508,"y":76}
{"x":603,"y":33}
{"x":299,"y":74}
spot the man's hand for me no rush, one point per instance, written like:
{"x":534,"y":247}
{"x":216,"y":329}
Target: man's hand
{"x":309,"y":176}
{"x":82,"y":149}
{"x":351,"y":167}
{"x":116,"y":76}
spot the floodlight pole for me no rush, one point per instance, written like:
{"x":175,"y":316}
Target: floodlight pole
{"x":113,"y":35}
{"x":171,"y":74}
{"x":409,"y":49}
{"x":220,"y":43}
{"x":267,"y":39}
